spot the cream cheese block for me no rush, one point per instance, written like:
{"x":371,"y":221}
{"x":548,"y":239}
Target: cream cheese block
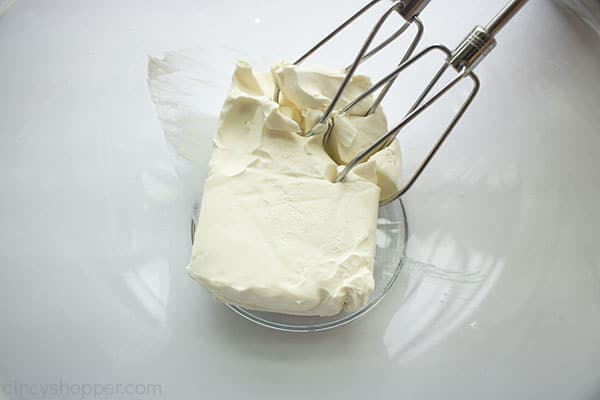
{"x":275,"y":233}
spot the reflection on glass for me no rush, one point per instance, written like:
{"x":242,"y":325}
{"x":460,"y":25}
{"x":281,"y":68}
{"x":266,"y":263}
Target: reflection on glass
{"x":150,"y":284}
{"x":588,"y":10}
{"x":436,"y":302}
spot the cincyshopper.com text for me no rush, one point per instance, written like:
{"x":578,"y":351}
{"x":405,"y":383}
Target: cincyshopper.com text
{"x":63,"y":389}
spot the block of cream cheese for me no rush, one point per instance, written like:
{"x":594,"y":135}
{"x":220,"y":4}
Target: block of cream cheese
{"x":275,"y":233}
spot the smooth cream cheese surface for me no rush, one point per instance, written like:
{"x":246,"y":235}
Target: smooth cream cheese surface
{"x":275,"y":233}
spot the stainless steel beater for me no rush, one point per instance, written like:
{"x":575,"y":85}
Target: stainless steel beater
{"x":467,"y":55}
{"x":409,"y":10}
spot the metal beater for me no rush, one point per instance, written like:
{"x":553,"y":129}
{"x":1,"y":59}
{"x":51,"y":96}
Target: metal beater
{"x":409,"y":10}
{"x":469,"y":53}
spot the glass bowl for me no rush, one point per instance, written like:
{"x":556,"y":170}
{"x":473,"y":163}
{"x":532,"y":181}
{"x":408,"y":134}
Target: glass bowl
{"x":392,"y":234}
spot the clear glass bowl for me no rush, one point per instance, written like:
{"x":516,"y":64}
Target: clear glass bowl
{"x":392,"y":229}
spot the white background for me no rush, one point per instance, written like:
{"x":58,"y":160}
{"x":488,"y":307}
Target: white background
{"x":501,"y":298}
